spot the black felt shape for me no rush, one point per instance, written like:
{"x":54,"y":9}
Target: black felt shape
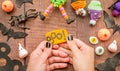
{"x":110,"y":23}
{"x":113,"y":5}
{"x":110,"y":64}
{"x":9,"y":66}
{"x":20,"y":2}
{"x":10,"y":33}
{"x":22,"y":18}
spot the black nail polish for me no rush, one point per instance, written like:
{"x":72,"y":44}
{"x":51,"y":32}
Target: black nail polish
{"x":70,"y":37}
{"x":48,"y":44}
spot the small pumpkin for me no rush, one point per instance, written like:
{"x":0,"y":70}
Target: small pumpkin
{"x":104,"y":34}
{"x":7,"y":6}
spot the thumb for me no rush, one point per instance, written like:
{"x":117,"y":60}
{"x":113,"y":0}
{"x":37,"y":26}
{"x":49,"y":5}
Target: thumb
{"x":46,"y":52}
{"x":72,"y":45}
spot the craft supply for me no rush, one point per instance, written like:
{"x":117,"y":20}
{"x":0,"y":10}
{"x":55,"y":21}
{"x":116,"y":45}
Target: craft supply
{"x":113,"y":46}
{"x":110,"y":64}
{"x":57,"y":36}
{"x":59,"y":4}
{"x":95,"y":11}
{"x":20,"y":19}
{"x":93,"y":40}
{"x":115,"y":8}
{"x":104,"y":34}
{"x":10,"y":64}
{"x":20,"y":2}
{"x":22,"y":51}
{"x":10,"y":33}
{"x":110,"y":23}
{"x":99,"y":50}
{"x":78,"y":6}
{"x":7,"y":6}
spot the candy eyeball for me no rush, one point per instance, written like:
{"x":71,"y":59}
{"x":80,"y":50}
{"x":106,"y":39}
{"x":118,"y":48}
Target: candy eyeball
{"x":93,"y":40}
{"x":92,"y":22}
{"x":99,"y":50}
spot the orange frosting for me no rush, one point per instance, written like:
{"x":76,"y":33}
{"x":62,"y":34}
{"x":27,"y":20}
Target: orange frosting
{"x":7,"y":6}
{"x":78,"y":4}
{"x":104,"y":34}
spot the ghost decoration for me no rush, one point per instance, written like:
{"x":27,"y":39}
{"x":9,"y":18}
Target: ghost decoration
{"x":113,"y":46}
{"x":22,"y":52}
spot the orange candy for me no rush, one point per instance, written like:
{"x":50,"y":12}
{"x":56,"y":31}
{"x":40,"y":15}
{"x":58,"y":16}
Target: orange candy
{"x":104,"y":34}
{"x":7,"y":6}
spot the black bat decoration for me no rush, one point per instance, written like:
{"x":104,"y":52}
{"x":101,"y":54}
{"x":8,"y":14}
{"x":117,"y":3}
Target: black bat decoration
{"x":110,"y":23}
{"x":10,"y":33}
{"x":113,"y":5}
{"x":20,"y":2}
{"x":110,"y":64}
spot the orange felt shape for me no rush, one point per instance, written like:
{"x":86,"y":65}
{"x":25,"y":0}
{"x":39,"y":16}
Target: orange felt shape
{"x":104,"y":34}
{"x":7,"y":6}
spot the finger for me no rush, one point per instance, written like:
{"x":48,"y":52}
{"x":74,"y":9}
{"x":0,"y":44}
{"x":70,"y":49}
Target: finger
{"x":47,"y":51}
{"x":58,"y":66}
{"x":59,"y":53}
{"x":80,"y":44}
{"x":66,"y":51}
{"x":72,"y":45}
{"x":39,"y":49}
{"x":64,"y":45}
{"x":58,"y":60}
{"x":55,"y":46}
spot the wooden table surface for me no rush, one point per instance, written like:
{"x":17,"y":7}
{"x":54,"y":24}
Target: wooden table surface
{"x":79,"y":29}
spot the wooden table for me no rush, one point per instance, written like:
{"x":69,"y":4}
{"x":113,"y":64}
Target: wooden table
{"x":80,"y":28}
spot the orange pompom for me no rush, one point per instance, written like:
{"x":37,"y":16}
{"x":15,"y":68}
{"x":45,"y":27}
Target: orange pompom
{"x":7,"y":6}
{"x":104,"y":34}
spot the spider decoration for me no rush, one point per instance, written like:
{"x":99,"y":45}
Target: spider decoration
{"x":20,"y":19}
{"x":58,"y":4}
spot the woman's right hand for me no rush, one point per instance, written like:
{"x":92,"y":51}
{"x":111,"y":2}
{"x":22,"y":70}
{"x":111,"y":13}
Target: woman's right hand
{"x":82,"y":55}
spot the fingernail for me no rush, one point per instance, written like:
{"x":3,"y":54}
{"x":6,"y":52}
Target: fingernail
{"x":70,"y":37}
{"x":48,"y":44}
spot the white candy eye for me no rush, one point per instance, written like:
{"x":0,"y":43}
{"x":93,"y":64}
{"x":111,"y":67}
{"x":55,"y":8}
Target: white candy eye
{"x":99,"y":50}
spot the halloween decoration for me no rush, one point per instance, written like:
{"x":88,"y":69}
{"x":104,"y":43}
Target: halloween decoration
{"x":110,"y":23}
{"x":57,"y":36}
{"x":78,"y":6}
{"x":95,"y":11}
{"x":7,"y":6}
{"x":20,"y":2}
{"x":10,"y":33}
{"x":104,"y":34}
{"x":18,"y":20}
{"x":22,"y":52}
{"x":59,"y":4}
{"x":10,"y":64}
{"x":110,"y":64}
{"x":99,"y":50}
{"x":93,"y":40}
{"x":115,"y":8}
{"x":113,"y":46}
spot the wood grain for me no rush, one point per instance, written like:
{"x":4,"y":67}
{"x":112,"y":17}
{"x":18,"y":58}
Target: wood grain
{"x":79,"y":29}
